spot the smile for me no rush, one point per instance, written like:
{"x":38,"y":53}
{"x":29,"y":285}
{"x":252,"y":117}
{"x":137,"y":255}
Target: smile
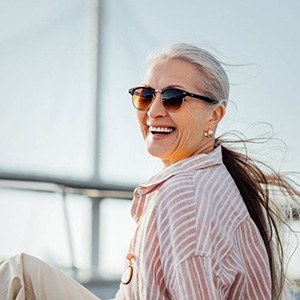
{"x":161,"y":130}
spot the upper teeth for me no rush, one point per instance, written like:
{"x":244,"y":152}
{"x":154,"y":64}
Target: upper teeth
{"x":161,"y":129}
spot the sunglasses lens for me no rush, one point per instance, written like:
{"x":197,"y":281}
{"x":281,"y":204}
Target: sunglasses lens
{"x":142,"y":98}
{"x":172,"y":99}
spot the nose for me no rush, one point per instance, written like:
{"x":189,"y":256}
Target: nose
{"x":157,"y":109}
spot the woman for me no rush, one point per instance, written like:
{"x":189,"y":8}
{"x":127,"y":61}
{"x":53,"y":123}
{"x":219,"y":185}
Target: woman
{"x":205,"y":226}
{"x":204,"y":223}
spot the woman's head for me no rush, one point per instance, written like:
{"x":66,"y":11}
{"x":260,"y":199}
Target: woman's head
{"x":173,"y":133}
{"x":215,"y":79}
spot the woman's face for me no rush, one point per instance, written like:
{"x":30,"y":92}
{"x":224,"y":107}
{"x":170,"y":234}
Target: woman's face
{"x":185,"y":127}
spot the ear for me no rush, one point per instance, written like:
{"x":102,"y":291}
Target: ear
{"x":216,"y":116}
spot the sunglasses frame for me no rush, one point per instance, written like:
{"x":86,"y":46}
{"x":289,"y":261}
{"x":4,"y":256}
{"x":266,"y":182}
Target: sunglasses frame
{"x":184,"y":94}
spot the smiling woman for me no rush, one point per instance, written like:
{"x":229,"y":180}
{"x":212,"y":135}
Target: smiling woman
{"x":206,"y":227}
{"x":206,"y":224}
{"x":186,"y":123}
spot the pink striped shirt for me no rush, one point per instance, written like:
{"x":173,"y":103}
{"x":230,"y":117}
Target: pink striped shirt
{"x":194,"y":237}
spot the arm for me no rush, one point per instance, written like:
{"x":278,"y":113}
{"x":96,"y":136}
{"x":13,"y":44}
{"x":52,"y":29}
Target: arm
{"x":194,"y":279}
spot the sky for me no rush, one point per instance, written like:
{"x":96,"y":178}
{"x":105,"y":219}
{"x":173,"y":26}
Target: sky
{"x":259,"y":40}
{"x":48,"y":83}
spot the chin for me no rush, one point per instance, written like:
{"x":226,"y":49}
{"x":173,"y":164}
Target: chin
{"x":156,"y":153}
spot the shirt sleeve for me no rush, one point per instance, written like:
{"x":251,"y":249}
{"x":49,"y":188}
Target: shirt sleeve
{"x":244,"y":272}
{"x":250,"y":260}
{"x":194,"y":279}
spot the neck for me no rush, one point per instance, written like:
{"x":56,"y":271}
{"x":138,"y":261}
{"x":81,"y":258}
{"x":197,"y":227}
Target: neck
{"x":205,"y":148}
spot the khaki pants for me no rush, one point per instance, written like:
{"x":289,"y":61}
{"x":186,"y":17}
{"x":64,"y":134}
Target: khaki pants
{"x":24,"y":277}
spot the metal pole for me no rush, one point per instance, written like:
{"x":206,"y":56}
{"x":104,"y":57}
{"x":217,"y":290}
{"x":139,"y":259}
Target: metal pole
{"x":69,"y":234}
{"x":97,"y":122}
{"x":95,"y":239}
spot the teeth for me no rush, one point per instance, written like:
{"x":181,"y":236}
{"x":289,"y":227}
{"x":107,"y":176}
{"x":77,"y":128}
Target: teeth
{"x":161,"y":129}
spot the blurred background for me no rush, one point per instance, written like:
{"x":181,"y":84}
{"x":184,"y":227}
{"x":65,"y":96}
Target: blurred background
{"x":71,"y":152}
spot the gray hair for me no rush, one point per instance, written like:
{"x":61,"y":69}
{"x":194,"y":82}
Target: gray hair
{"x":215,"y":78}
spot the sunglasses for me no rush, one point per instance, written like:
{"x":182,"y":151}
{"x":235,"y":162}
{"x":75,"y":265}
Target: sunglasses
{"x":172,"y":98}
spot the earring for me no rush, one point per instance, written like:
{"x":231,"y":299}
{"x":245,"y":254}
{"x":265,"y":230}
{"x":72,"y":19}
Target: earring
{"x":208,"y":134}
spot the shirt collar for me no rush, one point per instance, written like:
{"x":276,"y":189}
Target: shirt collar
{"x":196,"y":162}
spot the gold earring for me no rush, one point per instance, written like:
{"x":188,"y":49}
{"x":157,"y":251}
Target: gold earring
{"x":208,"y":134}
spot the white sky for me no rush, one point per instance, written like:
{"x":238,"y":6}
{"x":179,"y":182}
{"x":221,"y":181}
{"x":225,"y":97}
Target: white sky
{"x":262,"y":35}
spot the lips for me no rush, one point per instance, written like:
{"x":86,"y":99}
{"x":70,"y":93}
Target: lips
{"x":161,"y":129}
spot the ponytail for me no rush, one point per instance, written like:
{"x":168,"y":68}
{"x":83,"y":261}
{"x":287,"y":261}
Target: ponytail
{"x":255,"y":187}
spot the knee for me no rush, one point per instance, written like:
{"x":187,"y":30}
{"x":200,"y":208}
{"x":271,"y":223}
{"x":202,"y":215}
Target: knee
{"x":32,"y":265}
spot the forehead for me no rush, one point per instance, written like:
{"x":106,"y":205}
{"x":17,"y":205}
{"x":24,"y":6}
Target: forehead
{"x":174,"y":72}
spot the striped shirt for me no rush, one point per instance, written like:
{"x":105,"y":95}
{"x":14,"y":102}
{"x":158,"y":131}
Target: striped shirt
{"x":194,"y":237}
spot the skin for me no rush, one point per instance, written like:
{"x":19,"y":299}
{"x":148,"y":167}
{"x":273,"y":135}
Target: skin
{"x":190,"y":121}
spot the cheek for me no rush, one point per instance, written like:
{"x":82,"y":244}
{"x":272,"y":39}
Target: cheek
{"x":193,"y":130}
{"x":195,"y":121}
{"x":140,"y":116}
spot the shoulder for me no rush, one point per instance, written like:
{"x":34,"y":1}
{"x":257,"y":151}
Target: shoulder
{"x":175,"y":199}
{"x":211,"y":191}
{"x":217,"y":194}
{"x":213,"y":180}
{"x":219,"y":210}
{"x":196,"y":180}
